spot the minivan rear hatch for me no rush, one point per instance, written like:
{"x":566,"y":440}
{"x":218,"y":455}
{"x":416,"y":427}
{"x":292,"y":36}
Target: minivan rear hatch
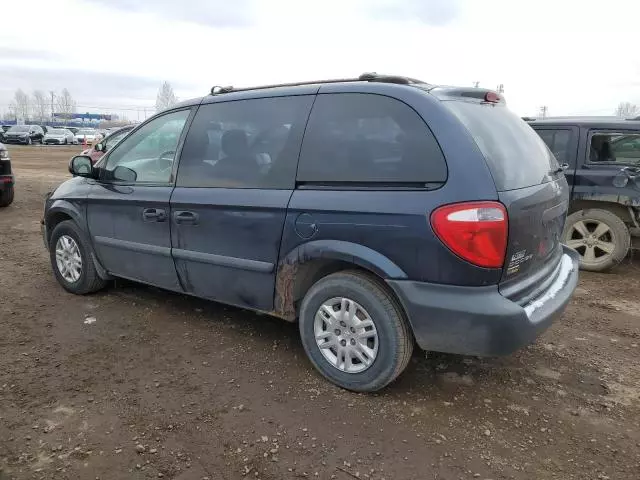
{"x":531,"y":186}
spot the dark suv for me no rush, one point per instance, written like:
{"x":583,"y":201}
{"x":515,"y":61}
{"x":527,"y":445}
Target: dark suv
{"x":26,"y":134}
{"x":6,"y":178}
{"x":602,"y":160}
{"x":378,"y":212}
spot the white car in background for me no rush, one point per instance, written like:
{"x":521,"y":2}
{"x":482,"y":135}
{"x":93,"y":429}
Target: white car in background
{"x":58,"y":136}
{"x":86,"y":135}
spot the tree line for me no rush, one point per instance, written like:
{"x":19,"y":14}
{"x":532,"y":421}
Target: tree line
{"x":39,"y":106}
{"x":627,"y":110}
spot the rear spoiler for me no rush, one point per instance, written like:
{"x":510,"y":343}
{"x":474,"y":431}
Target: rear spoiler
{"x":458,"y":93}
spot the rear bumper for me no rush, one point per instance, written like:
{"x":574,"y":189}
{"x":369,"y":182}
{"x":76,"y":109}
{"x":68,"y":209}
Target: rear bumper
{"x":479,"y":320}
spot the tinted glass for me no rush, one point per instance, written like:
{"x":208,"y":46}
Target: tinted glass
{"x":364,"y":138}
{"x":111,"y":140}
{"x":245,"y":144}
{"x":147,"y":154}
{"x":516,"y":155}
{"x":558,"y":142}
{"x":619,"y":147}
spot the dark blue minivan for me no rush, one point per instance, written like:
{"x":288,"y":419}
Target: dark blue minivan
{"x":378,"y":212}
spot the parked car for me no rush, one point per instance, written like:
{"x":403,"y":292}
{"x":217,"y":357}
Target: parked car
{"x":99,"y":149}
{"x":59,"y":136}
{"x":86,"y":136}
{"x":391,"y":212}
{"x":7,"y":180}
{"x":3,"y":129}
{"x":26,"y":134}
{"x":73,"y":130}
{"x":602,"y":160}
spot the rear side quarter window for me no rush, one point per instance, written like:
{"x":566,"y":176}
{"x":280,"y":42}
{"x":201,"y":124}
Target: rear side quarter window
{"x":559,"y":142}
{"x":368,"y":139}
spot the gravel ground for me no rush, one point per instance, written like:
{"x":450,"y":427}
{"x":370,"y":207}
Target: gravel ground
{"x":166,"y":386}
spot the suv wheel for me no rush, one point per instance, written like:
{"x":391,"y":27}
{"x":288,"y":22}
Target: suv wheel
{"x":6,"y":197}
{"x":599,"y":236}
{"x":354,"y":332}
{"x":71,"y":259}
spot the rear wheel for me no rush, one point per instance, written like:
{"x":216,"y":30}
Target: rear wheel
{"x":6,"y":197}
{"x":354,"y":331}
{"x":71,"y":259}
{"x":599,"y":236}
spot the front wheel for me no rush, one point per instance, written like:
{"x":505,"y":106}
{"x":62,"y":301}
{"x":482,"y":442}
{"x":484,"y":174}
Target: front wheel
{"x":600,"y":237}
{"x":71,"y":260}
{"x":354,"y":332}
{"x":6,"y":197}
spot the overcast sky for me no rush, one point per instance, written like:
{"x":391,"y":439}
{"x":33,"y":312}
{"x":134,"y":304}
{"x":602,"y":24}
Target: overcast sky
{"x":576,"y":57}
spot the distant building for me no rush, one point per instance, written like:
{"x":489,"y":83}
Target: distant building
{"x":84,"y":117}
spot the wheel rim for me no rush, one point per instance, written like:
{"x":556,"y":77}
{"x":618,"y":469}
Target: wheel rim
{"x":68,"y":259}
{"x":594,"y":241}
{"x":346,"y":335}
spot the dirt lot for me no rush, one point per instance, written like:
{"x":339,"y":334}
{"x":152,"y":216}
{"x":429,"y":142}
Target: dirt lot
{"x":166,"y":386}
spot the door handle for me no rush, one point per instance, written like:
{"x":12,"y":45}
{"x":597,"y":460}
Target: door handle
{"x":185,"y":217}
{"x":157,"y":214}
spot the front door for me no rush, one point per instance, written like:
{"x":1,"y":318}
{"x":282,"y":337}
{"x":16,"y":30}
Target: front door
{"x":235,"y":179}
{"x":128,"y":208}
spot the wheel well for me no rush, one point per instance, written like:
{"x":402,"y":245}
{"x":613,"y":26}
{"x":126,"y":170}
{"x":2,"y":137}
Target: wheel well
{"x":53,"y":220}
{"x":620,"y":210}
{"x":294,"y":281}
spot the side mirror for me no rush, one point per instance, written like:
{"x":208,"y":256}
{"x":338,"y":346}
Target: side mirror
{"x":99,"y":147}
{"x":81,"y":166}
{"x":124,"y":174}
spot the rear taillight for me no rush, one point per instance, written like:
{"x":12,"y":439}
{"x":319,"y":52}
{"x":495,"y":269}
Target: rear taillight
{"x":475,"y":231}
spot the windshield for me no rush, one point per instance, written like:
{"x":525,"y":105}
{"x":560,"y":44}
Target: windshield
{"x":19,"y":128}
{"x":516,"y":155}
{"x":86,"y":131}
{"x":56,"y":131}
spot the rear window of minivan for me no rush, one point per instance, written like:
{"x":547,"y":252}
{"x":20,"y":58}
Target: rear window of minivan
{"x":515,"y":154}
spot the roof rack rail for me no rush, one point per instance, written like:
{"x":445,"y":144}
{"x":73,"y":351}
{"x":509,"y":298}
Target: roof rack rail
{"x":365,"y":77}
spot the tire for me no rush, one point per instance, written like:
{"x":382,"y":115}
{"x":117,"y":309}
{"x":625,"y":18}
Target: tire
{"x":600,"y":237}
{"x":88,"y":280}
{"x":394,"y":338}
{"x":6,"y":197}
